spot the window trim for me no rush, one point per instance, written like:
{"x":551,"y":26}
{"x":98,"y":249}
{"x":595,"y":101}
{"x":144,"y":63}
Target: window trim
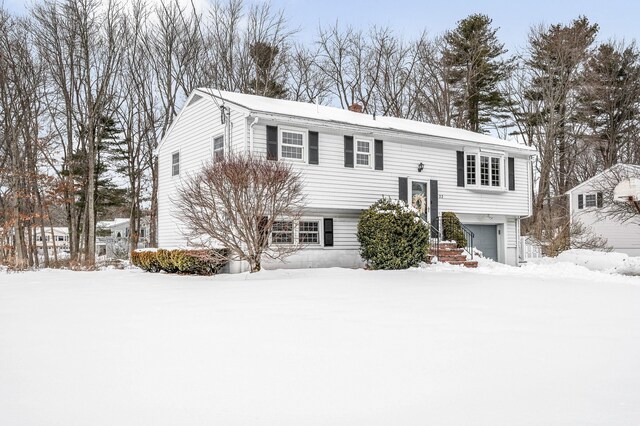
{"x":213,"y":146}
{"x":369,"y":154}
{"x":296,"y":232}
{"x":595,"y":200}
{"x":491,"y":155}
{"x":174,"y":164}
{"x":305,"y":144}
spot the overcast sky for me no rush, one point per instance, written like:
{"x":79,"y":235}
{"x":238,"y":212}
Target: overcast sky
{"x":616,"y":18}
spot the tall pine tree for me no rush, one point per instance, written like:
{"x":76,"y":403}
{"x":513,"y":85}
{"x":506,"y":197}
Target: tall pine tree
{"x":472,"y":54}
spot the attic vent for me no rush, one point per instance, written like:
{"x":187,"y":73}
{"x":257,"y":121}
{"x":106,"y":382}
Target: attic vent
{"x":195,"y":99}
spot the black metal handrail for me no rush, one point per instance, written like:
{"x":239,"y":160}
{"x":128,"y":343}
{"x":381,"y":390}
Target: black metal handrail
{"x":452,"y":221}
{"x":435,"y":240}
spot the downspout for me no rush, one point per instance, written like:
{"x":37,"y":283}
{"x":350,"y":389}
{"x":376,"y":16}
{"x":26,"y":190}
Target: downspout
{"x":255,"y":121}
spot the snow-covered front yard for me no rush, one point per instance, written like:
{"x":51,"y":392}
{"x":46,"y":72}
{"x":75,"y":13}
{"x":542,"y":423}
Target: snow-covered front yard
{"x":548,"y":344}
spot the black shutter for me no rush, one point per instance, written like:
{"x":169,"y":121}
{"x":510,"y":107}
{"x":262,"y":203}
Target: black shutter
{"x":379,"y":156}
{"x":348,"y":151}
{"x":262,"y":230}
{"x":402,"y":189}
{"x":580,"y":201}
{"x":272,"y":142}
{"x":313,"y":147}
{"x":599,"y":200}
{"x":328,"y":232}
{"x":433,"y":204}
{"x":512,"y":174}
{"x":460,"y":167}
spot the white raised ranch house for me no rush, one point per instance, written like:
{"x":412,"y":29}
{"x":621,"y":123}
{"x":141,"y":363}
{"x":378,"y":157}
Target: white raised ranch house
{"x":588,"y":204}
{"x":348,"y":161}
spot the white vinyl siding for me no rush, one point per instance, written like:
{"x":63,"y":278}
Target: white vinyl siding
{"x":325,"y":186}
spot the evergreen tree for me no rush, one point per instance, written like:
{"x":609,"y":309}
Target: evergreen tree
{"x":264,"y":83}
{"x":472,"y":54}
{"x":610,"y":102}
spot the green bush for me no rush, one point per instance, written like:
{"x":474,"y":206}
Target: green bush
{"x":392,"y":235}
{"x":452,"y":229}
{"x":183,"y":261}
{"x":146,"y":259}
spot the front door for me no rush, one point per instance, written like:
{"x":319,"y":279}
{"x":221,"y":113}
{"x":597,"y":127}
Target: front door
{"x":419,"y":198}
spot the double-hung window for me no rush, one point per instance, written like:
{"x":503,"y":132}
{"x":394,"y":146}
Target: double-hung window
{"x":175,"y":164}
{"x":218,"y":148}
{"x":309,"y":232}
{"x":589,"y":200}
{"x":485,"y":170}
{"x":282,"y":232}
{"x":303,"y":232}
{"x":363,"y":153}
{"x":292,"y":145}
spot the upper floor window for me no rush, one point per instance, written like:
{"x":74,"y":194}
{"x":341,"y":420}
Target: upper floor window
{"x":485,"y":170}
{"x":363,"y":153}
{"x":471,"y":169}
{"x":292,"y":145}
{"x":588,"y":200}
{"x":218,"y":148}
{"x":175,"y":163}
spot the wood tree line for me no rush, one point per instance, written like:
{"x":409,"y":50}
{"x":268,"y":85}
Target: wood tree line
{"x":88,"y":88}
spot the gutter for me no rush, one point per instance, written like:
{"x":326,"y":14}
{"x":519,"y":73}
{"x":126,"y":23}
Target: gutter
{"x":255,"y":121}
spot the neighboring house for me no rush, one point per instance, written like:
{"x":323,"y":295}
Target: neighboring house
{"x":113,"y":236}
{"x":348,"y":160}
{"x":588,"y":203}
{"x":58,"y":236}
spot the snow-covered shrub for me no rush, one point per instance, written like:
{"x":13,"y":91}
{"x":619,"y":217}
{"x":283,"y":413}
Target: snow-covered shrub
{"x":183,"y":261}
{"x":392,"y":235}
{"x":452,"y":229}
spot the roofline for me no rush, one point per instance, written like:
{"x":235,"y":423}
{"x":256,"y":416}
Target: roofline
{"x":209,"y":95}
{"x":618,"y":165}
{"x":524,"y":149}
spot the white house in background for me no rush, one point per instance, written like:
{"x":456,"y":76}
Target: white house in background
{"x":57,"y":236}
{"x":348,"y":161}
{"x":588,"y":204}
{"x":113,"y":240}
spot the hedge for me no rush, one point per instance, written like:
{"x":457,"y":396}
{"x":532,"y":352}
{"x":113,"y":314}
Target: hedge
{"x":181,"y":261}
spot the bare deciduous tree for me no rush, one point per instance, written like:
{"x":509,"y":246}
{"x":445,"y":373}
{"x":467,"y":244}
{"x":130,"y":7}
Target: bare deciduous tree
{"x":235,"y":203}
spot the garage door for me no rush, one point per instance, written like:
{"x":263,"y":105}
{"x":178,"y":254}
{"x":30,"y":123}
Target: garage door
{"x":486,"y":239}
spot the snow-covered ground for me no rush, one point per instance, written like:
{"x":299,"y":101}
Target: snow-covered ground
{"x":547,"y":344}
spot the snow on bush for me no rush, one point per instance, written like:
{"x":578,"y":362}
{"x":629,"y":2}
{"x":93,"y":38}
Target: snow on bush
{"x":392,"y":235}
{"x":608,"y":262}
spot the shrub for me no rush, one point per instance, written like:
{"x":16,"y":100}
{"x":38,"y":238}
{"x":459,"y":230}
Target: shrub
{"x":146,"y":260}
{"x":392,"y":235}
{"x":452,"y":229}
{"x":183,"y":261}
{"x":165,"y":259}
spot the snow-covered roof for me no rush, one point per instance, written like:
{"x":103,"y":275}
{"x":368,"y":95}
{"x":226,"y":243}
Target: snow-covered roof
{"x":104,"y":224}
{"x":628,"y":168}
{"x":312,"y":111}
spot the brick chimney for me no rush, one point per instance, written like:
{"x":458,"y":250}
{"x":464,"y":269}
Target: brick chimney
{"x":355,"y":108}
